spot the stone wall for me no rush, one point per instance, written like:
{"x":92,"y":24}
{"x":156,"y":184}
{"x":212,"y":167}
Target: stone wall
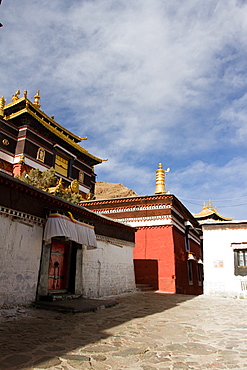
{"x":20,"y":250}
{"x":108,"y":270}
{"x":219,"y":277}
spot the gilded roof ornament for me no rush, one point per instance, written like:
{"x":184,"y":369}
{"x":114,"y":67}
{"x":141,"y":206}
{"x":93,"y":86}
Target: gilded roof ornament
{"x":83,"y":138}
{"x":16,"y":95}
{"x":160,"y":180}
{"x":2,"y":104}
{"x":22,"y":158}
{"x":25,"y":94}
{"x":37,"y":99}
{"x":210,"y":213}
{"x":209,"y":206}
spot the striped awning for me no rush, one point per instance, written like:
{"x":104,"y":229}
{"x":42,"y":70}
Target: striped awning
{"x":60,"y":225}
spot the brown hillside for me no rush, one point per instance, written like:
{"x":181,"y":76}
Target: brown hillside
{"x":108,"y":190}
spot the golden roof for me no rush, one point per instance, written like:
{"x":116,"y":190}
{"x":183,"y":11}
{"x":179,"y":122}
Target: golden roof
{"x":48,"y":122}
{"x":208,"y":211}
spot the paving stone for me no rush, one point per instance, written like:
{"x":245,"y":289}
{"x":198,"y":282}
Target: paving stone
{"x":99,"y":357}
{"x":145,"y":331}
{"x":180,"y":365}
{"x":14,"y":361}
{"x":76,"y":357}
{"x":79,"y":365}
{"x":54,"y":349}
{"x":130,"y":352}
{"x":46,"y":362}
{"x":100,"y":348}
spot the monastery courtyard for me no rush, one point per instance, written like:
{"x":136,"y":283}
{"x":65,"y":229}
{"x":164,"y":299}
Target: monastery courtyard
{"x":144,"y":331}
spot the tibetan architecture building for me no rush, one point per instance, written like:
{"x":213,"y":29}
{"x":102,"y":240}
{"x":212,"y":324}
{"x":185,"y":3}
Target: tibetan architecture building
{"x":210,"y":214}
{"x":167,"y":253}
{"x":31,"y":139}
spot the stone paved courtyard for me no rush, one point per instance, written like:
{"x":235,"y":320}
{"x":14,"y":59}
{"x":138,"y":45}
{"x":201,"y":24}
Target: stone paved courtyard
{"x":145,"y":331}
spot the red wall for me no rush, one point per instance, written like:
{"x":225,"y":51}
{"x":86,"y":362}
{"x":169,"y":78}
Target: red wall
{"x":156,"y":243}
{"x":147,"y":272}
{"x":181,"y":265}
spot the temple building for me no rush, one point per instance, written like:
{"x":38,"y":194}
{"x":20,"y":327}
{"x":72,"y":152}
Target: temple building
{"x":50,"y":247}
{"x":210,"y":214}
{"x":31,"y":139}
{"x":167,"y":253}
{"x":53,"y":249}
{"x":224,"y":253}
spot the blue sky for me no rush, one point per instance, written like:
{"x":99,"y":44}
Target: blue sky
{"x":147,"y":81}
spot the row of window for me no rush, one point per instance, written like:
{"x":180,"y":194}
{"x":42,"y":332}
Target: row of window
{"x":61,"y":164}
{"x":190,"y":273}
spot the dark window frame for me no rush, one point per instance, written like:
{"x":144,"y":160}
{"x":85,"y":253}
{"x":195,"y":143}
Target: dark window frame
{"x":200,"y":274}
{"x":187,"y":239}
{"x":190,"y":272}
{"x":240,"y":262}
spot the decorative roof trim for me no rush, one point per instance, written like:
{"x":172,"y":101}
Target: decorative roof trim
{"x":118,"y":242}
{"x":55,"y":132}
{"x":34,"y":106}
{"x":209,"y":212}
{"x":85,"y":212}
{"x":133,"y":209}
{"x":134,"y":198}
{"x":23,"y":217}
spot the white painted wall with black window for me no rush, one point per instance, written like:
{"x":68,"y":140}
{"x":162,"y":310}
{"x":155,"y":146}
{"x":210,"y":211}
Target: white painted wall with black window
{"x":225,"y":258}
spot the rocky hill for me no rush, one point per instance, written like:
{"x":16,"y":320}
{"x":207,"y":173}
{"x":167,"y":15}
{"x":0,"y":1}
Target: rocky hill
{"x":108,"y":190}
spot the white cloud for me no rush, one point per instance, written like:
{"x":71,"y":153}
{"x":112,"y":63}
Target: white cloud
{"x":146,"y":81}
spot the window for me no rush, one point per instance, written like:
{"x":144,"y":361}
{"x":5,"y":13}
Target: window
{"x":61,"y":165}
{"x":199,"y":273}
{"x":41,"y":155}
{"x":186,"y":239}
{"x":190,"y":272}
{"x":81,"y":177}
{"x":240,"y":262}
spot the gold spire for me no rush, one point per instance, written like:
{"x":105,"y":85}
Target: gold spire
{"x":2,"y":104}
{"x":209,"y":205}
{"x":25,"y":94}
{"x":37,"y":98}
{"x":160,"y":180}
{"x":16,"y":95}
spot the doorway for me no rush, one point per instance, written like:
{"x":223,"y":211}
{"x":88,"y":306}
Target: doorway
{"x":59,"y":266}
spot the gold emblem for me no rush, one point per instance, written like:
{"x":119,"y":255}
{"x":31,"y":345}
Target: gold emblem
{"x":5,"y":142}
{"x":74,"y":186}
{"x":41,"y":155}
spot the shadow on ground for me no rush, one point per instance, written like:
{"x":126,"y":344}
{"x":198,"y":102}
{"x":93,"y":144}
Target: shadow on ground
{"x":45,"y":335}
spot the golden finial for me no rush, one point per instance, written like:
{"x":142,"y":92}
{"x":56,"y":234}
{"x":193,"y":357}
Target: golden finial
{"x":16,"y":95}
{"x":83,"y":138}
{"x":22,"y":158}
{"x":160,"y":180}
{"x":25,"y":94}
{"x":37,"y":98}
{"x":53,"y":117}
{"x":209,"y":205}
{"x":2,"y":104}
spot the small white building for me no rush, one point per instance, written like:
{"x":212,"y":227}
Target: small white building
{"x":51,"y":247}
{"x":225,"y":258}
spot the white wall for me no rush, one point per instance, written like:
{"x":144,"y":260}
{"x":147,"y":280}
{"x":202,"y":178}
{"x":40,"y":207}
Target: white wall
{"x":20,"y":251}
{"x":106,"y":270}
{"x":218,"y":256}
{"x":109,"y":269}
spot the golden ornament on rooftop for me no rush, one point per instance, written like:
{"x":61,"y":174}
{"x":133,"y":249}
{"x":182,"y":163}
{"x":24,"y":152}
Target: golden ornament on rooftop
{"x":160,"y":180}
{"x":37,"y":99}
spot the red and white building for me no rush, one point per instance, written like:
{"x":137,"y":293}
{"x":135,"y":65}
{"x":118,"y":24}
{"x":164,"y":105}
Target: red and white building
{"x":168,"y":246}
